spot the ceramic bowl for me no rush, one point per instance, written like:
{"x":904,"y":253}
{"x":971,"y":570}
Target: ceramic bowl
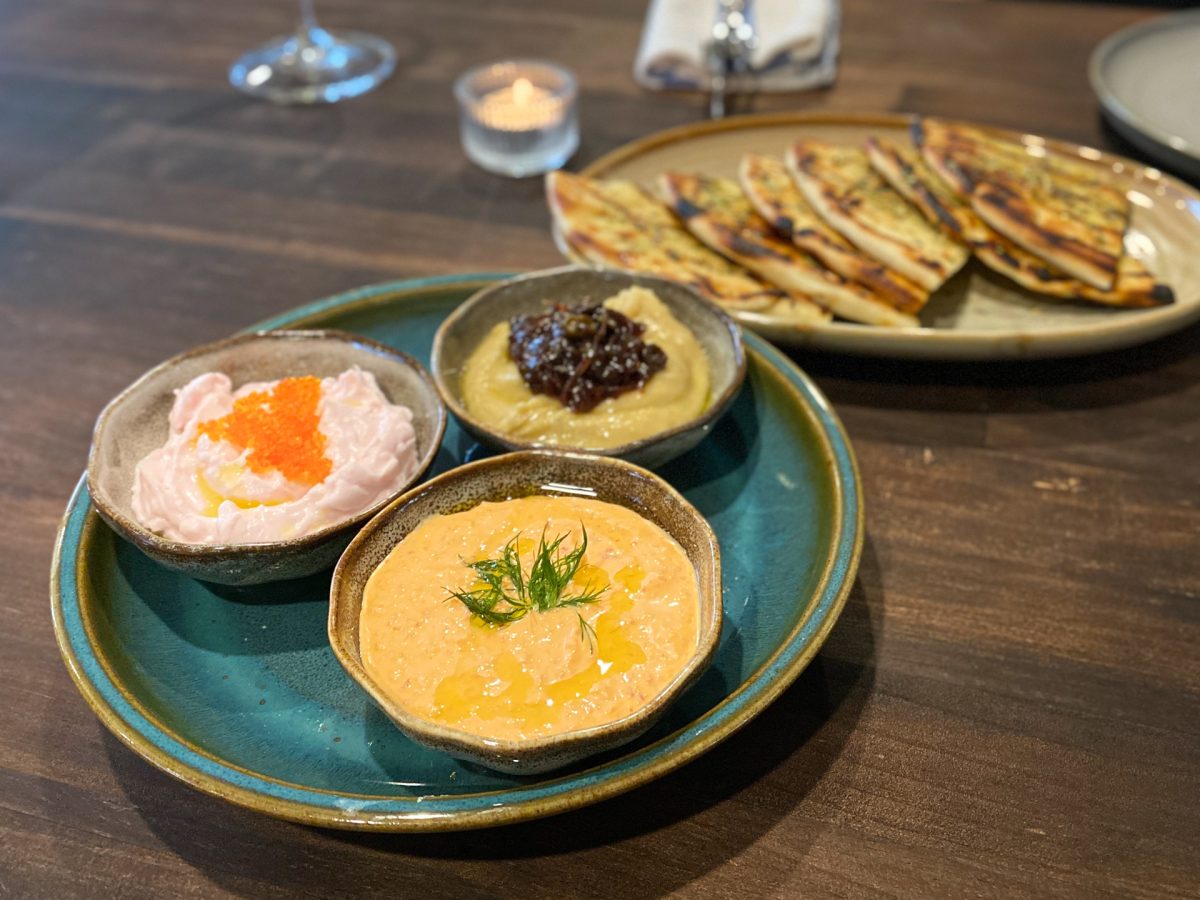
{"x":717,"y":333}
{"x":502,"y":478}
{"x":135,"y":423}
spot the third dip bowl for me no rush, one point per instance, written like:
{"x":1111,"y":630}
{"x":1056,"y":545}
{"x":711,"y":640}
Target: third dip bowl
{"x":529,"y":610}
{"x":527,"y":363}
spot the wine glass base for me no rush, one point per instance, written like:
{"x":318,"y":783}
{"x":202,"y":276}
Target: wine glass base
{"x":314,"y":66}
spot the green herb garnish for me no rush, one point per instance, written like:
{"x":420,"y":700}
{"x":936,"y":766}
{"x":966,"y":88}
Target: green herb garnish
{"x":507,"y":593}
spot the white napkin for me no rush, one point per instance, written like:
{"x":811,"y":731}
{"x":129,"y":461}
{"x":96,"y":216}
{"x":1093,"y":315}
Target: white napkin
{"x":796,"y":43}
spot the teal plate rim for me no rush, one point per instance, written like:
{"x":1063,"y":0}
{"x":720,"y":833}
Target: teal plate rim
{"x":122,"y":715}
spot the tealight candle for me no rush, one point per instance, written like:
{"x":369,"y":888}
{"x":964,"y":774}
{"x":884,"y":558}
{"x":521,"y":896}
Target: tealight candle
{"x":518,"y":118}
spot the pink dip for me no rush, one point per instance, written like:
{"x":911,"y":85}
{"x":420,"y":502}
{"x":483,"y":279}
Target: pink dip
{"x":201,"y":491}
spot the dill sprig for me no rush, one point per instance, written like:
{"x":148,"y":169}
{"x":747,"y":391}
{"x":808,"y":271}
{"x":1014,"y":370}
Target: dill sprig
{"x":506,"y":592}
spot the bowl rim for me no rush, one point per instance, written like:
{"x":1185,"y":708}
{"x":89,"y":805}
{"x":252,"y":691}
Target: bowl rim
{"x":717,"y":406}
{"x":710,"y":625}
{"x":159,"y":544}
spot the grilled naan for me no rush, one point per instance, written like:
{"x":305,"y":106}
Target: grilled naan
{"x":839,"y":183}
{"x":906,"y":174}
{"x":770,"y":189}
{"x":942,"y":205}
{"x":717,"y":212}
{"x":618,"y":224}
{"x":1068,"y":213}
{"x":1003,"y":152}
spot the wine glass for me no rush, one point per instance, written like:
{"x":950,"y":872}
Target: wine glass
{"x":313,"y":65}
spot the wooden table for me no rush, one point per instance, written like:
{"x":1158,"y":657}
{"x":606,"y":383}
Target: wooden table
{"x":1010,"y":703}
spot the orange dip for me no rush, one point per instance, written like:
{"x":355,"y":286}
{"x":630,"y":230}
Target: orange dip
{"x":543,"y":674}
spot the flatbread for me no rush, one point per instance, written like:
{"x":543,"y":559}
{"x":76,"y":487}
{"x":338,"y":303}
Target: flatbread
{"x":717,"y":212}
{"x":1002,"y":152}
{"x":839,"y":183}
{"x":656,"y":215}
{"x":942,"y":205}
{"x":1067,"y":213}
{"x":908,"y":175}
{"x":774,"y":195}
{"x":646,"y":208}
{"x":608,"y":233}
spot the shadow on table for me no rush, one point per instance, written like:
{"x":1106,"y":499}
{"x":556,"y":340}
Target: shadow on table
{"x":1113,"y":378}
{"x":769,"y":766}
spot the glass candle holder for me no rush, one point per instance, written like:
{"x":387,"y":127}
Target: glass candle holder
{"x":518,"y":118}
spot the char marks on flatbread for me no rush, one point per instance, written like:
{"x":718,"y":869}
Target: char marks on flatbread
{"x":839,"y":183}
{"x":770,"y":189}
{"x":619,"y":225}
{"x":717,"y":212}
{"x":908,"y":176}
{"x":944,"y":206}
{"x":1064,"y":211}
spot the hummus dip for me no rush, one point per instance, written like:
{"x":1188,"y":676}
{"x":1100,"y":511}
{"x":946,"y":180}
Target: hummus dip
{"x":546,"y":673}
{"x":495,"y":393}
{"x":273,"y":460}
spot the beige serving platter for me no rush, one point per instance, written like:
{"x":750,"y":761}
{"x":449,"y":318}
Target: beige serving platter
{"x":977,"y":314}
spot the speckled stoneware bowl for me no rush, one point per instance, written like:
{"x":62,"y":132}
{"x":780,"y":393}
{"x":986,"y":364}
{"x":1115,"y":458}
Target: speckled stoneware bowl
{"x":717,"y":333}
{"x":135,"y":423}
{"x":502,"y":478}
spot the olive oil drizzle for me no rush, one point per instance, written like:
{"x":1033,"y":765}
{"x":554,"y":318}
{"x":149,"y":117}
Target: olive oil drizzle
{"x":213,"y":499}
{"x":474,"y":694}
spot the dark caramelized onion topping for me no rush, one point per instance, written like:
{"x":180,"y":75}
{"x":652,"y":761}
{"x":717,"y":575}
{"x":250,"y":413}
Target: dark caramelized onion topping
{"x":582,"y":355}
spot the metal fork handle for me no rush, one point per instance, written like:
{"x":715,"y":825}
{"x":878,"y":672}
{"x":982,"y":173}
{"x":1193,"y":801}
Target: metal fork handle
{"x":728,"y":54}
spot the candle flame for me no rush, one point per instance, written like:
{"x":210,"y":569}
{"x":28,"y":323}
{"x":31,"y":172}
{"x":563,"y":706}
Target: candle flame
{"x":522,"y":91}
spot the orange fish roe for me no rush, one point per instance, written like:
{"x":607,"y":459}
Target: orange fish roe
{"x":279,"y":428}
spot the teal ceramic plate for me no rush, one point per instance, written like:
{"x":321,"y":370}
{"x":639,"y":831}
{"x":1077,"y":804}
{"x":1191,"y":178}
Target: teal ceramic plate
{"x":236,"y":691}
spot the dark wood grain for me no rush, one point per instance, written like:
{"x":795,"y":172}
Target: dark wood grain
{"x":1010,"y":704}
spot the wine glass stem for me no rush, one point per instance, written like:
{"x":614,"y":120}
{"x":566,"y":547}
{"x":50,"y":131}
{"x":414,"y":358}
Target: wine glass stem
{"x":308,"y":17}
